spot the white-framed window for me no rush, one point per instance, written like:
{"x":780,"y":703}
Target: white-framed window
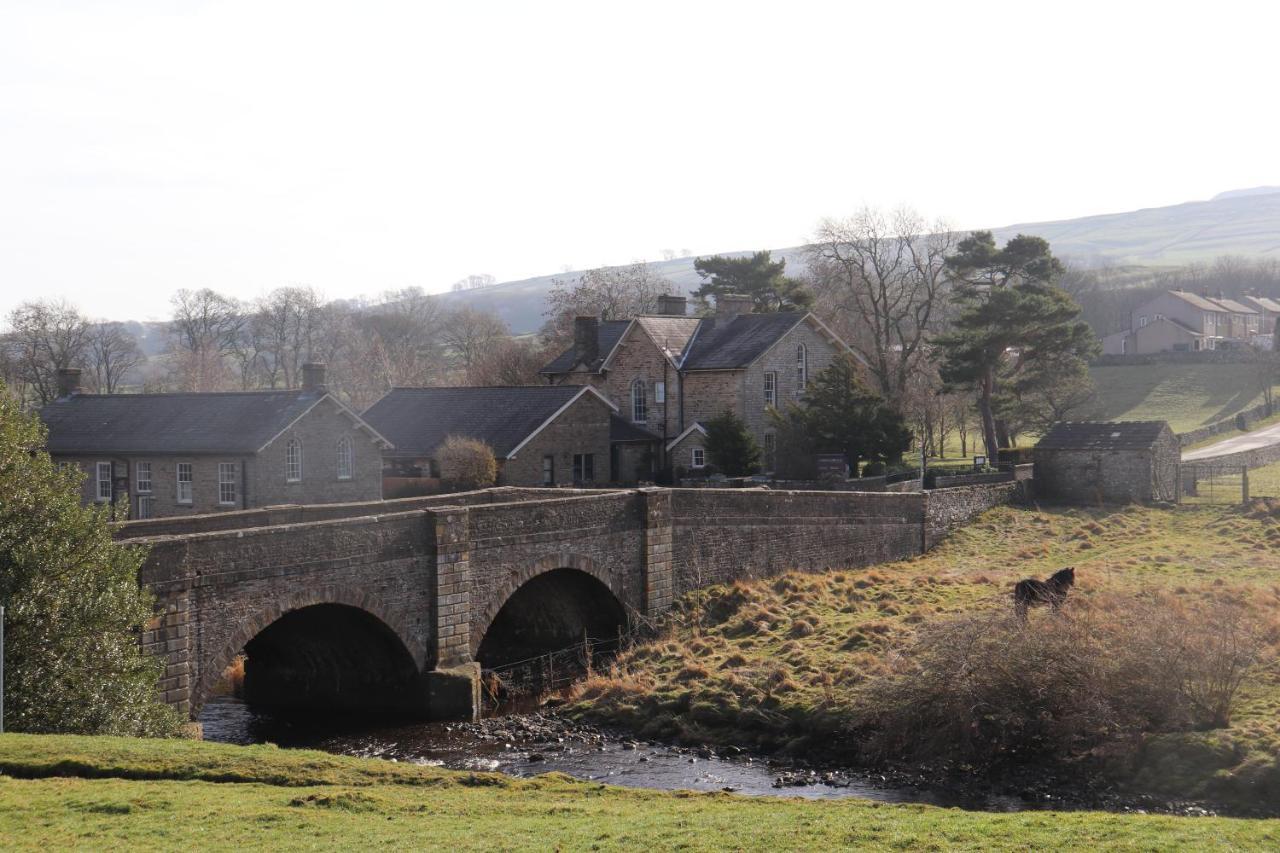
{"x":228,"y":481}
{"x":344,"y":458}
{"x":1142,"y":321}
{"x":802,"y":369}
{"x":103,"y":470}
{"x":659,"y":392}
{"x":584,"y":467}
{"x":548,"y":470}
{"x":146,"y":506}
{"x":184,"y":482}
{"x":770,"y":388}
{"x":639,"y":402}
{"x":770,"y":450}
{"x":293,"y":461}
{"x":142,"y":478}
{"x":698,"y":457}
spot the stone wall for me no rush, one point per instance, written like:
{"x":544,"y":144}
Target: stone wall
{"x":637,"y":357}
{"x":164,"y":481}
{"x":1107,"y":477}
{"x":946,"y":509}
{"x":781,"y":360}
{"x":1241,"y":421}
{"x":318,"y":433}
{"x":583,"y":428}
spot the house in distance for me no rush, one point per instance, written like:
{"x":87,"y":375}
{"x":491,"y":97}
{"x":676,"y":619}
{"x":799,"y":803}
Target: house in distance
{"x":193,"y":453}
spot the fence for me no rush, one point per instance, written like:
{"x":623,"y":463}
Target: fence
{"x":544,"y":673}
{"x":1209,"y":484}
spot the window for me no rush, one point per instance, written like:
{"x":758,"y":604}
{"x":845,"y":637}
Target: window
{"x":548,"y":470}
{"x":770,"y":388}
{"x":802,"y":369}
{"x":584,"y":467}
{"x":293,"y":461}
{"x":1142,"y":321}
{"x":659,"y":392}
{"x":344,"y":458}
{"x":184,"y":482}
{"x":145,"y":506}
{"x":227,"y":480}
{"x":142,"y":478}
{"x":639,"y":402}
{"x":104,"y":481}
{"x":770,"y":450}
{"x":698,"y":457}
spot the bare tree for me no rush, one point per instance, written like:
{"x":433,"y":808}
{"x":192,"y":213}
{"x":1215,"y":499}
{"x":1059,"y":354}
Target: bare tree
{"x":471,"y":282}
{"x":43,"y":338}
{"x":285,"y":330}
{"x":468,"y":333}
{"x":509,"y":362}
{"x":112,"y":352}
{"x":205,"y":329}
{"x":610,"y":293}
{"x":404,"y":332}
{"x":888,"y":273}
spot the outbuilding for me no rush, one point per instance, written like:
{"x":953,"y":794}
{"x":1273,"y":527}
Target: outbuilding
{"x":1108,"y":463}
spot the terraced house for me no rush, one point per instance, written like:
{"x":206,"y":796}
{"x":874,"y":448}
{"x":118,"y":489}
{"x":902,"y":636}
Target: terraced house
{"x":186,"y":454}
{"x":669,"y":373}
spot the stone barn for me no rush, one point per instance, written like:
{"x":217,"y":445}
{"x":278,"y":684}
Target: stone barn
{"x":1100,"y":463}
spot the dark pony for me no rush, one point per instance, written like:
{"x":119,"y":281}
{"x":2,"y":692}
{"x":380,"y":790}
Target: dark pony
{"x":1053,"y":592}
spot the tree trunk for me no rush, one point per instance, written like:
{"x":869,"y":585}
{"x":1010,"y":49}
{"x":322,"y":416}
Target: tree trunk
{"x":987,"y":386}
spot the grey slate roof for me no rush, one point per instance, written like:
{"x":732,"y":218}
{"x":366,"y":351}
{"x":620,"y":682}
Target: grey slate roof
{"x":673,"y":333}
{"x":719,"y":346}
{"x":621,"y":429}
{"x":608,"y":335}
{"x":1117,"y":435}
{"x":418,"y":420}
{"x":1198,"y":301}
{"x":236,"y":423}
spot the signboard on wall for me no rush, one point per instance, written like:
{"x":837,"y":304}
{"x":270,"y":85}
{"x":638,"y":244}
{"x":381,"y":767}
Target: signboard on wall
{"x":832,"y":466}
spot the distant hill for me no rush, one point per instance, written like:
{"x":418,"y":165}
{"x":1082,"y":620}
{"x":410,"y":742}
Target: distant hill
{"x":1236,"y":222}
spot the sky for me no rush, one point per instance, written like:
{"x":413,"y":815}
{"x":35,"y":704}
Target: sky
{"x":364,"y":147}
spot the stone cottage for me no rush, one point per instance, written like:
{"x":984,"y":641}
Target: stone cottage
{"x":541,"y":435}
{"x":186,"y":454}
{"x":669,"y":373}
{"x":1102,"y":463}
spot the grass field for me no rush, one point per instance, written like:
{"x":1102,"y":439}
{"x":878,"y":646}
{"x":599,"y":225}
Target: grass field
{"x":1185,"y":395}
{"x":779,"y":662}
{"x":96,"y":793}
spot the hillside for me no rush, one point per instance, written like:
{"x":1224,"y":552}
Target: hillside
{"x":1185,"y":395}
{"x":1237,"y":222}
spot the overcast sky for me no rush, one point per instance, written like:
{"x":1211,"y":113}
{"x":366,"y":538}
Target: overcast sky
{"x":365,"y":146}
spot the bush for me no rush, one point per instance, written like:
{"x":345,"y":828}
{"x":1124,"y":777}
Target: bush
{"x":987,"y":689}
{"x":873,"y":469}
{"x":467,"y":463}
{"x":731,"y":446}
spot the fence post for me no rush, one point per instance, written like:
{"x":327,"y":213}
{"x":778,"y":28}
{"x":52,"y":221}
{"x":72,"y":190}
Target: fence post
{"x":1244,"y":484}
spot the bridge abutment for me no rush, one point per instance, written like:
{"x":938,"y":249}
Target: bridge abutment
{"x":453,"y":685}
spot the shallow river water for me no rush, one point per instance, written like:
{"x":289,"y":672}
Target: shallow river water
{"x":529,"y":744}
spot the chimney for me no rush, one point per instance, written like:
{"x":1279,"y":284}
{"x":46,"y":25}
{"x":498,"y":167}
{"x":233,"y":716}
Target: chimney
{"x":730,"y":305}
{"x":672,"y":306}
{"x":313,"y":376}
{"x":586,"y":340}
{"x":68,"y":381}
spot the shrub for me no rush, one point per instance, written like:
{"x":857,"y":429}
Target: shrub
{"x":873,"y":469}
{"x":467,"y":463}
{"x":731,"y":446}
{"x":987,"y":689}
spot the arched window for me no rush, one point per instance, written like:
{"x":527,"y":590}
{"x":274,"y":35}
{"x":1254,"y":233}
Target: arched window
{"x":293,"y":461}
{"x":344,"y":458}
{"x":639,"y":402}
{"x":802,"y":369}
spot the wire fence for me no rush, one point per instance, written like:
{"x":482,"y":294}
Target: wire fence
{"x":1208,"y":484}
{"x":554,"y":670}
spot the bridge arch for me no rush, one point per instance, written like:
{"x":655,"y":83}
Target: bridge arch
{"x":571,"y":591}
{"x":350,"y":603}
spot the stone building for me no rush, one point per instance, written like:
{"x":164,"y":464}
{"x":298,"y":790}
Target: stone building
{"x":670,"y":373}
{"x":1103,"y":463}
{"x":187,"y":454}
{"x":541,"y":435}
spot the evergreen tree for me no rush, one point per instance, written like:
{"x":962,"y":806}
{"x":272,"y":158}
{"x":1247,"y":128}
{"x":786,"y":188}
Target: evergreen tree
{"x":843,"y":415}
{"x":757,"y":276}
{"x":731,"y":447}
{"x":73,"y":604}
{"x":1011,"y":318}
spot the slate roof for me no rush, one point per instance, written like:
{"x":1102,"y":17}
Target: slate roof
{"x":417,"y":420}
{"x":1236,"y":307}
{"x":622,"y":430}
{"x":1198,"y":301}
{"x":726,"y":346}
{"x":673,"y":333}
{"x":1116,"y":435}
{"x":1265,"y":303}
{"x":607,"y":336}
{"x":236,"y":423}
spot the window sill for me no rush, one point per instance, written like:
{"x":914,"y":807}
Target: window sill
{"x":291,"y":482}
{"x":345,"y":479}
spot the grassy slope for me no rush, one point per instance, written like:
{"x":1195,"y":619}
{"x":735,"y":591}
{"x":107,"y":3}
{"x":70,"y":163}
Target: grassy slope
{"x":1185,"y":395}
{"x":747,"y":660}
{"x":100,"y":792}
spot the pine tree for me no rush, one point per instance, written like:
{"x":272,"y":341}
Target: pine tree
{"x":757,"y":276}
{"x":73,"y":604}
{"x":842,"y":414}
{"x":732,"y":448}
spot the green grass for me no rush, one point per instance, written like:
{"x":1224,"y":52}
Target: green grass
{"x":95,"y":793}
{"x":1224,"y":488}
{"x":1185,"y":395}
{"x":779,"y":663}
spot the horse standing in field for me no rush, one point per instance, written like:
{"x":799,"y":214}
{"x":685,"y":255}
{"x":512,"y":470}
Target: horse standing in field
{"x":1053,"y":592}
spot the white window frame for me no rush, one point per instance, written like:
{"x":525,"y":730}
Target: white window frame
{"x":659,"y":392}
{"x":293,"y":461}
{"x":178,"y":470}
{"x":98,"y":468}
{"x":770,"y":388}
{"x":802,"y":369}
{"x":346,"y":458}
{"x":139,"y":479}
{"x":146,"y":506}
{"x":581,"y":461}
{"x":228,"y":483}
{"x":697,"y":457}
{"x":639,"y":402}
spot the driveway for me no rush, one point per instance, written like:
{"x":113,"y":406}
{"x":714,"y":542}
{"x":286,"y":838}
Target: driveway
{"x":1243,"y":441}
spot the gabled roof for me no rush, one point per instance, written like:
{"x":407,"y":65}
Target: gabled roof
{"x":1234,"y":307}
{"x":1115,"y":435}
{"x":608,"y":335}
{"x":240,"y":422}
{"x":727,"y":346}
{"x":697,"y":427}
{"x":623,"y":431}
{"x":1265,"y":303}
{"x":1198,"y":301}
{"x":670,"y":334}
{"x":418,"y":420}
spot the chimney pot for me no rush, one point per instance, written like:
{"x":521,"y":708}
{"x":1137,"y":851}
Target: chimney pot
{"x":586,"y":341}
{"x":68,"y":381}
{"x":730,"y":305}
{"x":313,"y":376}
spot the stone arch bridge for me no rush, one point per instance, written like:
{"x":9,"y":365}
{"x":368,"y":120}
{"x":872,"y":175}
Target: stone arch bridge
{"x":395,"y":604}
